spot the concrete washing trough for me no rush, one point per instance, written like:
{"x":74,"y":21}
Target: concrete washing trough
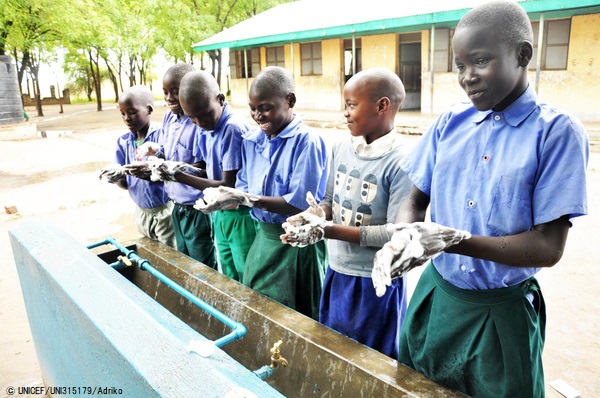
{"x":95,"y":325}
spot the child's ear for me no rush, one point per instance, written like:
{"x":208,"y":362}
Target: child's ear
{"x":291,"y":99}
{"x":221,"y":98}
{"x":383,"y":104}
{"x":150,"y":109}
{"x":524,"y":52}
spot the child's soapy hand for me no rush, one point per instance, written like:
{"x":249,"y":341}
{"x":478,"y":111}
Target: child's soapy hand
{"x":138,"y":170}
{"x":224,"y":198}
{"x":112,"y":173}
{"x":148,"y":148}
{"x":306,"y":228}
{"x":165,"y":170}
{"x":411,"y":245}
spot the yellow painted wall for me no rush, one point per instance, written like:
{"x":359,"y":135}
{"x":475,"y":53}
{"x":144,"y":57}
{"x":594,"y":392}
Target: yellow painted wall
{"x":322,"y":91}
{"x":380,"y":51}
{"x":239,"y":92}
{"x":312,"y":92}
{"x":446,"y":90}
{"x":576,"y":89}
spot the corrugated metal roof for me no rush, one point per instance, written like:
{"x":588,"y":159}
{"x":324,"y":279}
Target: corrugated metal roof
{"x":320,"y":19}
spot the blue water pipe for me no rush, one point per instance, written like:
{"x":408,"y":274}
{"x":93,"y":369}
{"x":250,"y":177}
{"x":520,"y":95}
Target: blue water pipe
{"x":264,"y":372}
{"x":237,"y":329}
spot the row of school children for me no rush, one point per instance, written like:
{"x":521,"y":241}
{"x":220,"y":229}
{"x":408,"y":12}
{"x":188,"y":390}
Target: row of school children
{"x":502,"y":176}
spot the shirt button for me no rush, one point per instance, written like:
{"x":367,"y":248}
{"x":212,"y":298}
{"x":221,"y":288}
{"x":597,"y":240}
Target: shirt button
{"x":463,"y":267}
{"x":471,"y":203}
{"x":486,"y":158}
{"x":497,"y":117}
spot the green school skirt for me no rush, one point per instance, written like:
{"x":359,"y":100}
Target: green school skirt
{"x":193,"y":234}
{"x":484,"y":343}
{"x":290,"y":275}
{"x":234,"y":234}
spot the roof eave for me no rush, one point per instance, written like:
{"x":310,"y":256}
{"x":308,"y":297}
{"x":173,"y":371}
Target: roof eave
{"x":550,"y":8}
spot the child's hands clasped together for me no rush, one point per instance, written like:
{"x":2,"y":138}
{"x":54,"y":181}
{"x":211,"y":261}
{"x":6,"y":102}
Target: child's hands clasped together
{"x":411,"y":245}
{"x":306,"y":228}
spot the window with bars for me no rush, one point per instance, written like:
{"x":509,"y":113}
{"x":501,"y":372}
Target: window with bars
{"x":310,"y":55}
{"x":276,"y":56}
{"x":555,"y":44}
{"x":236,"y":63}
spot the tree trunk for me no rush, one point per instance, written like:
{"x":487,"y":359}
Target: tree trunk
{"x":22,"y":66}
{"x":113,"y":79}
{"x":37,"y":97}
{"x":131,"y":72}
{"x":95,"y":68}
{"x":36,"y":87}
{"x":120,"y":68}
{"x":212,"y":55}
{"x":218,"y":61}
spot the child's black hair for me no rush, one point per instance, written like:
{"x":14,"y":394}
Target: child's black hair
{"x":507,"y":19}
{"x":138,"y":93}
{"x":275,"y":80}
{"x":381,"y":82}
{"x":179,"y":70}
{"x":200,"y":85}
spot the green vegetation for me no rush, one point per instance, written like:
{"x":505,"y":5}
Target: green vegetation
{"x":113,"y":40}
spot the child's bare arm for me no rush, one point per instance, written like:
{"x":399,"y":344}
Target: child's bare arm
{"x":414,"y":207}
{"x":541,"y":247}
{"x":276,"y":204}
{"x":203,"y":183}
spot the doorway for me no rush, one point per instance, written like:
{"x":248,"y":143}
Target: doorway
{"x":410,"y":69}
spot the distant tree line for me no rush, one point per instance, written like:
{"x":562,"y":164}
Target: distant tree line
{"x":109,"y":39}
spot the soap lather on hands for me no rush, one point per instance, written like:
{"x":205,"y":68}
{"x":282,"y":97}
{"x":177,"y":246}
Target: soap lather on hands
{"x":306,"y":228}
{"x":112,"y":173}
{"x":411,"y":245}
{"x":157,"y":169}
{"x":224,"y":198}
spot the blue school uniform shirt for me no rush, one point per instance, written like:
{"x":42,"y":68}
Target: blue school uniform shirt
{"x":500,"y":173}
{"x":145,"y":194}
{"x":179,"y":142}
{"x":221,"y":148}
{"x":288,"y":165}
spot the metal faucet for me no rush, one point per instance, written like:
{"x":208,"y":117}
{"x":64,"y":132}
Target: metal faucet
{"x":276,"y":358}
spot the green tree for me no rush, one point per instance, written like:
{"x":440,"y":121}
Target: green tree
{"x":29,"y":28}
{"x":228,"y":13}
{"x":179,"y":23}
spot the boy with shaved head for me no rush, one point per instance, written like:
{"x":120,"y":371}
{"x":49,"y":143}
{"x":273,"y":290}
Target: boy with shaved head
{"x":512,"y":172}
{"x":218,"y":143}
{"x":153,"y":207}
{"x":281,"y":161}
{"x":364,"y":190}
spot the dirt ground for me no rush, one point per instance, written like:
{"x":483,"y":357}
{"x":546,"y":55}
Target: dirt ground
{"x":55,"y":179}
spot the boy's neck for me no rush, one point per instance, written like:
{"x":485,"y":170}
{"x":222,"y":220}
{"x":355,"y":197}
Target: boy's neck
{"x":370,"y":137}
{"x":141,"y":134}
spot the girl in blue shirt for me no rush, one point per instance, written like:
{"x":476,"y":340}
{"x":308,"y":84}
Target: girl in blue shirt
{"x":511,"y":171}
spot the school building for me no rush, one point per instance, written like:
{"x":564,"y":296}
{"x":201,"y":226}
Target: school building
{"x":323,"y":42}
